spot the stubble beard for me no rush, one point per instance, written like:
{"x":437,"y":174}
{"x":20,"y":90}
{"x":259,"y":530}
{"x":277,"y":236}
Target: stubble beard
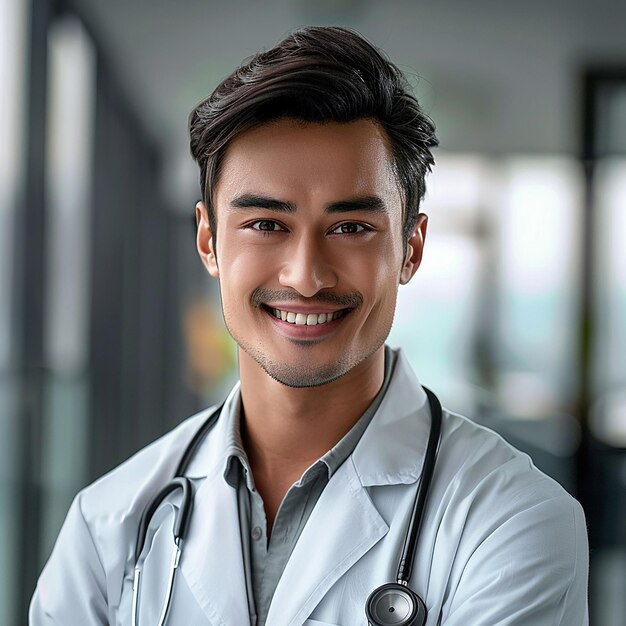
{"x":299,"y":376}
{"x":303,"y":375}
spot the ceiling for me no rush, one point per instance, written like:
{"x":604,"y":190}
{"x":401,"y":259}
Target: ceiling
{"x":496,"y":77}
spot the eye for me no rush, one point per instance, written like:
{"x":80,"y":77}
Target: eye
{"x":266,"y":226}
{"x":351,"y":228}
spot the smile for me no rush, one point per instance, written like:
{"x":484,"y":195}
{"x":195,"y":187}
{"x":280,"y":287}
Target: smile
{"x":306,"y":319}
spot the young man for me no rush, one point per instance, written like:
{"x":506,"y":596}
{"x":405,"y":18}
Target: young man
{"x":312,"y":158}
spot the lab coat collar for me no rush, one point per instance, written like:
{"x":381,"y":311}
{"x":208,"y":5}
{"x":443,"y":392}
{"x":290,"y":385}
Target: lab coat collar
{"x":392,"y":449}
{"x":215,"y":450}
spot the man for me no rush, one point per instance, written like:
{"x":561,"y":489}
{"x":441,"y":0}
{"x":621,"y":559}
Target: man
{"x":312,"y":158}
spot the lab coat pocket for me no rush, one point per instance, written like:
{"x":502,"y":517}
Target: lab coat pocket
{"x":315,"y":622}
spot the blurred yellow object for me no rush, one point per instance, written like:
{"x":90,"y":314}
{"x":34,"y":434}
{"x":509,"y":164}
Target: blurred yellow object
{"x":209,"y":348}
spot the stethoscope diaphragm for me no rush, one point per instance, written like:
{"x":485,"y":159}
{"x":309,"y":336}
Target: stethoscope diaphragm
{"x":394,"y":604}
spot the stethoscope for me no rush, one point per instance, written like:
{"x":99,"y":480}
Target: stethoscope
{"x":391,"y":604}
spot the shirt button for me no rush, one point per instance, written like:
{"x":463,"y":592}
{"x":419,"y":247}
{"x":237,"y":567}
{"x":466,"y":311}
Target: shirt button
{"x":257,"y":533}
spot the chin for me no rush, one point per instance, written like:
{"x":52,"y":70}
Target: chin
{"x":301,"y":375}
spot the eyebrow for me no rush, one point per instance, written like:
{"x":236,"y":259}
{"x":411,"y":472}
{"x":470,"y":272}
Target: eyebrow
{"x":373,"y":204}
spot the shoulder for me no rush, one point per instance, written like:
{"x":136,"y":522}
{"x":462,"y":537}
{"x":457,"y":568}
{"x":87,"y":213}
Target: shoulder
{"x":490,"y":481}
{"x":123,"y":489}
{"x":501,"y":509}
{"x":499,"y":523}
{"x":474,"y":457}
{"x":95,"y":547}
{"x":111,"y":507}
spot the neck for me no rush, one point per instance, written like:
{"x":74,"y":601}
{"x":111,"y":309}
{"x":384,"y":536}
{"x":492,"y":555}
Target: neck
{"x":285,"y":429}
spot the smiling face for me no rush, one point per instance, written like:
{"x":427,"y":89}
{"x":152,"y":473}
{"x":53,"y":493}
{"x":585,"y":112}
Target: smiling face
{"x":309,"y":247}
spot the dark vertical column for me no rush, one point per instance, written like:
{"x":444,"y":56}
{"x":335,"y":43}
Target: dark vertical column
{"x":152,"y":296}
{"x":583,"y":401}
{"x":600,"y":462}
{"x":128,"y":332}
{"x":107,"y":266}
{"x":28,"y":322}
{"x":186,"y":277}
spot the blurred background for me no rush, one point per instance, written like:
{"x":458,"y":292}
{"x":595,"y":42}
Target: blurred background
{"x":111,"y":331}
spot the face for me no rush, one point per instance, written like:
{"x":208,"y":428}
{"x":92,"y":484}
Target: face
{"x":309,"y":247}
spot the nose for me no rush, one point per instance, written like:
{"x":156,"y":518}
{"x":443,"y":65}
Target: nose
{"x":308,"y":268}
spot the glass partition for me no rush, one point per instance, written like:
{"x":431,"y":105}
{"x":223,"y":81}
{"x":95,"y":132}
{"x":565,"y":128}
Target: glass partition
{"x":13,"y":36}
{"x":69,"y":165}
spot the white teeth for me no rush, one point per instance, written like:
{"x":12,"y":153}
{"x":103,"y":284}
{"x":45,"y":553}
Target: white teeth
{"x":304,"y":319}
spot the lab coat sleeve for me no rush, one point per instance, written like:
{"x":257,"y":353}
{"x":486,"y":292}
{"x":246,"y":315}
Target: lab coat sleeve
{"x":532,"y":569}
{"x":72,"y":587}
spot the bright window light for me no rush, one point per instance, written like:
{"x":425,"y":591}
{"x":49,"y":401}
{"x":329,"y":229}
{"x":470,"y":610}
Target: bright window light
{"x":435,"y":319}
{"x":13,"y":29}
{"x":12,"y":80}
{"x":500,"y":269}
{"x":610,"y":279}
{"x":69,"y":167}
{"x":539,"y":263}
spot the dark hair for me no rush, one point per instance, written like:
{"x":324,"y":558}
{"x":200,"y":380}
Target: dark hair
{"x":317,"y":74}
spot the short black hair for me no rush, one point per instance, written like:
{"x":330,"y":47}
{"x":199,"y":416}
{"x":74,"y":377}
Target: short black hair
{"x":317,"y":74}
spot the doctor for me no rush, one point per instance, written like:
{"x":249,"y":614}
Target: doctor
{"x":313,"y":157}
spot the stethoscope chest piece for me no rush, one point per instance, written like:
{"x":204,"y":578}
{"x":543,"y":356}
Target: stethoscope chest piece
{"x":394,"y":604}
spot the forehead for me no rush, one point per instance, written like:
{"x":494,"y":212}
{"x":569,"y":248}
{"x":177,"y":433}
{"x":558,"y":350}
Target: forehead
{"x":309,"y":161}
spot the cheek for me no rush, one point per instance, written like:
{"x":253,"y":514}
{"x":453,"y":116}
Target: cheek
{"x":378,"y":283}
{"x":242,"y":270}
{"x":376,"y":268}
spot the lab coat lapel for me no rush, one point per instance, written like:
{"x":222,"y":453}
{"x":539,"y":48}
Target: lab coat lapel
{"x":342,"y":527}
{"x":212,"y":563}
{"x":213,"y":560}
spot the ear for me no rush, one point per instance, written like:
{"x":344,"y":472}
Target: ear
{"x":204,"y":240}
{"x":414,"y":250}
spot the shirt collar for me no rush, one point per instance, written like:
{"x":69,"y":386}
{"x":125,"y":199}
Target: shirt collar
{"x":236,"y":463}
{"x":238,"y":466}
{"x":236,"y":459}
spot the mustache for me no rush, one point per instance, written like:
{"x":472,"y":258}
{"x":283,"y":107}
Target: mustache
{"x":262,"y":295}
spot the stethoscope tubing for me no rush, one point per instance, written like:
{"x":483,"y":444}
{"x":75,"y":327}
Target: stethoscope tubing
{"x":405,"y":567}
{"x":181,"y":521}
{"x":181,"y":524}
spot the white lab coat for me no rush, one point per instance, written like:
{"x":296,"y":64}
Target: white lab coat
{"x":501,"y":543}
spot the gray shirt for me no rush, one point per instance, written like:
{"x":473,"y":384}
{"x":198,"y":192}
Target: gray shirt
{"x":264,"y":561}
